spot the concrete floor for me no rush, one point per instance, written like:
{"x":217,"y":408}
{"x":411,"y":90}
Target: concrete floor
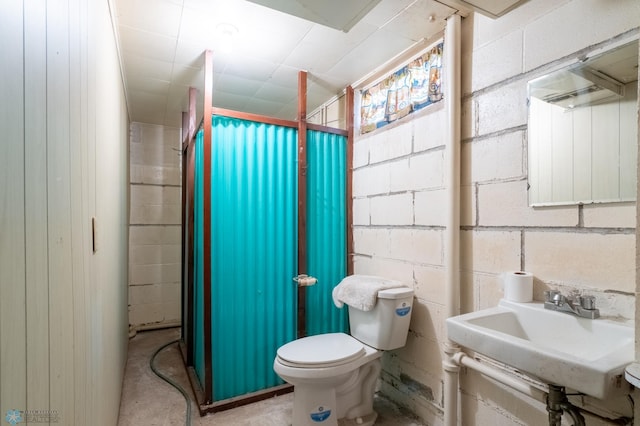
{"x":147,"y":400}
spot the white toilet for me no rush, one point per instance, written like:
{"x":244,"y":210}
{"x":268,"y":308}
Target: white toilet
{"x":334,"y":375}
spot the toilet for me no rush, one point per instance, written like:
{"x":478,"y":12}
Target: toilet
{"x":334,"y":375}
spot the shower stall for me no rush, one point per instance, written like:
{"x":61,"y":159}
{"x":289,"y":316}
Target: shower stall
{"x":264,"y":200}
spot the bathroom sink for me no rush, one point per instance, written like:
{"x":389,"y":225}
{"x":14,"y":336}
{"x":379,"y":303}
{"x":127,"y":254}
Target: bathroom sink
{"x":585,"y":355}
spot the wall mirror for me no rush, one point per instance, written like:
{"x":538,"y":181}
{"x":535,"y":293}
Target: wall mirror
{"x":583,"y":131}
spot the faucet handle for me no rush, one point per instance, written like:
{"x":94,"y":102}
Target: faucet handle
{"x":549,"y":295}
{"x":588,"y":302}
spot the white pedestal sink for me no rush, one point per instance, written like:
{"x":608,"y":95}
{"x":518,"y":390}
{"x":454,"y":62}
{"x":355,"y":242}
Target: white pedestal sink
{"x":586,"y":355}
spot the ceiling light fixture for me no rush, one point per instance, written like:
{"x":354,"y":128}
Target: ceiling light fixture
{"x":226,"y":34}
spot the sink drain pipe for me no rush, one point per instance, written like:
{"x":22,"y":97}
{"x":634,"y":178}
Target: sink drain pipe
{"x":557,"y":403}
{"x":555,"y":399}
{"x":521,"y":386}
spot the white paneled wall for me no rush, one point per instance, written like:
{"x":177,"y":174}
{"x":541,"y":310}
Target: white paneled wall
{"x":399,"y":206}
{"x":154,"y":238}
{"x":63,"y":165}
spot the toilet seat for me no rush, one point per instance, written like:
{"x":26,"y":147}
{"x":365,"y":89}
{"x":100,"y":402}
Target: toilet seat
{"x":321,"y":351}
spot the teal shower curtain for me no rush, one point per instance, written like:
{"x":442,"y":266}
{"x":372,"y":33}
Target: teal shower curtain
{"x":326,"y":229}
{"x":198,"y":261}
{"x":254,"y":220}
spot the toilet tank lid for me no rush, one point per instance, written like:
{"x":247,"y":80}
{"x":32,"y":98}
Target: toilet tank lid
{"x":395,"y":293}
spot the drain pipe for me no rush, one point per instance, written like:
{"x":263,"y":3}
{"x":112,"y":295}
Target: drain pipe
{"x":521,"y":386}
{"x":554,"y":396}
{"x":451,"y":375}
{"x":452,"y":93}
{"x":557,"y":404}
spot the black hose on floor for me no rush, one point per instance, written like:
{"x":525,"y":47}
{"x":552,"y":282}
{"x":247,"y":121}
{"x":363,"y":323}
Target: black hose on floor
{"x":171,"y":382}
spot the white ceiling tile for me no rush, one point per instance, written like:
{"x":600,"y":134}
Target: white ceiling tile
{"x":261,"y":20}
{"x":327,"y":81}
{"x":324,"y":12}
{"x":190,"y":54}
{"x":288,"y":111}
{"x":157,"y":16}
{"x":198,"y":28}
{"x":322,"y":47}
{"x":162,"y":44}
{"x":187,"y":76}
{"x":277,"y":93}
{"x":386,"y":10}
{"x":415,"y":23}
{"x":221,"y":9}
{"x":369,"y":55}
{"x":246,"y":68}
{"x":338,"y":39}
{"x":147,"y":99}
{"x":150,"y":115}
{"x":270,"y":44}
{"x":146,"y":67}
{"x":262,"y":106}
{"x":285,"y":76}
{"x":261,"y":32}
{"x":317,"y":57}
{"x":149,"y":85}
{"x":318,"y":94}
{"x":230,"y":83}
{"x":146,"y":44}
{"x":230,"y":101}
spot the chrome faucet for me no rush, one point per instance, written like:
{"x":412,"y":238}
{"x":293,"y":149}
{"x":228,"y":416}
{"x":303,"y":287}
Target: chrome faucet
{"x":582,"y":306}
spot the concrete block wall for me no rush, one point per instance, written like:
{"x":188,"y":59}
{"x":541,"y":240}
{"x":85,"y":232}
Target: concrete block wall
{"x":398,"y":190}
{"x":590,"y":249}
{"x":154,"y":238}
{"x":586,"y":248}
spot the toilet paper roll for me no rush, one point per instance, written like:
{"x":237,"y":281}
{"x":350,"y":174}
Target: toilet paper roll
{"x":518,"y":286}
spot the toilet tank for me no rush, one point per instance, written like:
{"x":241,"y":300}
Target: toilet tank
{"x":386,"y":326}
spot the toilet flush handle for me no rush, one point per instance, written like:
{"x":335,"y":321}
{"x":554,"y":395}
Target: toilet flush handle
{"x":305,"y":280}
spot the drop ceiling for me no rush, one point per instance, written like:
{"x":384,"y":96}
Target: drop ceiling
{"x":162,"y":42}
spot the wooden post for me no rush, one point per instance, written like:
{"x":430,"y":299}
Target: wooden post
{"x":189,"y":161}
{"x":188,"y":164}
{"x":183,"y":210}
{"x":184,"y":241}
{"x":302,"y":199}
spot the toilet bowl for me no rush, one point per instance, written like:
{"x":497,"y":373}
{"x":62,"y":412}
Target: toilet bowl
{"x":334,"y":375}
{"x":330,"y":385}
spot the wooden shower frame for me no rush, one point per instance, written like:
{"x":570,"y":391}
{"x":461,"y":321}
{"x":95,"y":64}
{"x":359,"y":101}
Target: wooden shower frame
{"x":204,"y":395}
